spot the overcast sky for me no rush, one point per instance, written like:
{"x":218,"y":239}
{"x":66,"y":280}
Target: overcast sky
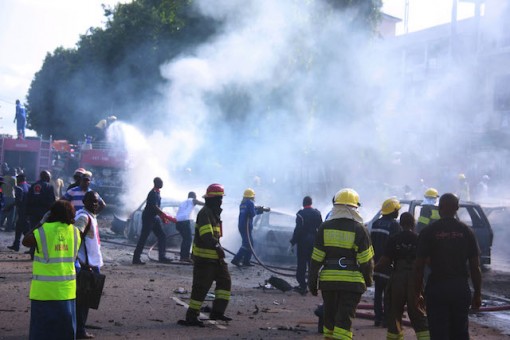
{"x":32,"y":28}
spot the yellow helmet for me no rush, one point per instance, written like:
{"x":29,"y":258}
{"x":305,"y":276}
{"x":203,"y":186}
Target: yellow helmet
{"x":432,"y":193}
{"x":348,"y":197}
{"x":249,"y":193}
{"x":390,"y":205}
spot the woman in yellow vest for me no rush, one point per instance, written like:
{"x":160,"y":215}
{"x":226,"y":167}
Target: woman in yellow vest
{"x":53,"y":288}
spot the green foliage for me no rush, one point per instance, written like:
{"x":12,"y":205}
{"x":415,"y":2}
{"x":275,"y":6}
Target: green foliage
{"x":116,"y":70}
{"x":77,"y":87}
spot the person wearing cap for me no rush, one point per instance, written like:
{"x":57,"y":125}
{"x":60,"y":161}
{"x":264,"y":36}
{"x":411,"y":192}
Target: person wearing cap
{"x":429,"y":212}
{"x":77,"y":177}
{"x":77,"y":194}
{"x":209,"y":264}
{"x":342,"y":264}
{"x":152,"y":216}
{"x":247,"y":211}
{"x":183,"y":224}
{"x":382,"y":229}
{"x":308,"y":221}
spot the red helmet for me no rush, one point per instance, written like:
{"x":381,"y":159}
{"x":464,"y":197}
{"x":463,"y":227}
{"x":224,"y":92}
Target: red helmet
{"x":214,"y":190}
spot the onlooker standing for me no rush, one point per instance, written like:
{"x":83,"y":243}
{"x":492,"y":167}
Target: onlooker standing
{"x":77,"y":178}
{"x":449,"y":244}
{"x":308,"y":221}
{"x":344,"y":252}
{"x":401,"y":252}
{"x":40,"y":198}
{"x":21,"y":119}
{"x":8,"y":213}
{"x":77,"y":194}
{"x":209,"y":261}
{"x":86,"y":222}
{"x":22,"y":223}
{"x":247,"y":211}
{"x":382,"y":229}
{"x":183,"y":224}
{"x":152,"y":216}
{"x":53,"y":288}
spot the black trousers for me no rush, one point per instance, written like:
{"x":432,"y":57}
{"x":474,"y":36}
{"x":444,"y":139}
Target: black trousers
{"x":304,"y":255}
{"x":339,"y":311}
{"x":448,"y":304}
{"x":380,"y":300}
{"x":184,"y":228}
{"x":151,"y":224}
{"x":204,"y":274}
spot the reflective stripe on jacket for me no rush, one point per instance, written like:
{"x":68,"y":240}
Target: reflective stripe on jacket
{"x":342,"y":238}
{"x":207,"y":235}
{"x":54,"y":274}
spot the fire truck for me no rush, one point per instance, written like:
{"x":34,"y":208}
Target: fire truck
{"x":32,"y":154}
{"x":107,"y":163}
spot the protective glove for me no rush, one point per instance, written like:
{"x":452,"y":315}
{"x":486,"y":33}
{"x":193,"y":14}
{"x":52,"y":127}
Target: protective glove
{"x":167,"y":218}
{"x":220,"y":251}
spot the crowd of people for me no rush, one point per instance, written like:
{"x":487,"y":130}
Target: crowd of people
{"x":338,"y":256}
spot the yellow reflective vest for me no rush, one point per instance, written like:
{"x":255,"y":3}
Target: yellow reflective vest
{"x":54,"y":274}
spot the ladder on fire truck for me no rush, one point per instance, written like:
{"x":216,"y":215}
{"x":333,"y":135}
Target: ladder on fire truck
{"x":44,"y":159}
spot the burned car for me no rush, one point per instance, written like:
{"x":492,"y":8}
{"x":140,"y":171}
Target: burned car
{"x":469,"y":213}
{"x":134,"y":223}
{"x":272,"y":232}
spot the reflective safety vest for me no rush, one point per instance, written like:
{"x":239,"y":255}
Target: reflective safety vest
{"x":428,"y":215}
{"x":54,"y":274}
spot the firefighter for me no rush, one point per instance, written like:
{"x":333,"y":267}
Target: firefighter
{"x":400,"y":252}
{"x":343,"y":249}
{"x":209,"y":261}
{"x":382,"y":229}
{"x":463,"y":188}
{"x":308,"y":221}
{"x":247,"y":211}
{"x":429,"y":212}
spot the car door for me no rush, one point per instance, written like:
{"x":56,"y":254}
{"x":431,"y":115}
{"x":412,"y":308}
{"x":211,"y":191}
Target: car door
{"x":474,"y":217}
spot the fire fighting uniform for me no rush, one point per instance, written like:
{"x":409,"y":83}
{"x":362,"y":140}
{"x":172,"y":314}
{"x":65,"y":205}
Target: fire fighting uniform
{"x":428,"y":215}
{"x":382,"y":229}
{"x":53,"y":287}
{"x":247,"y":212}
{"x":151,"y":222}
{"x":449,"y":244}
{"x":208,"y":266}
{"x":308,"y":221}
{"x":401,"y":250}
{"x":343,"y":247}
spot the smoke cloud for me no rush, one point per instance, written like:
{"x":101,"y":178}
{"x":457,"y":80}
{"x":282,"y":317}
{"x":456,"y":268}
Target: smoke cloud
{"x":293,"y":99}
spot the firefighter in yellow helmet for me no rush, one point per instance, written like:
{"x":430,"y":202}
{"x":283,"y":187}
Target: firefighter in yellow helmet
{"x":344,"y":252}
{"x":429,"y":212}
{"x":463,"y":188}
{"x":209,"y":261}
{"x":247,"y":211}
{"x":382,"y":229}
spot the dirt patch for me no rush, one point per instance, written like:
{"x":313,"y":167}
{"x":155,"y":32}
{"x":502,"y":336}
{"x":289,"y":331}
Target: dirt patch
{"x":138,"y":302}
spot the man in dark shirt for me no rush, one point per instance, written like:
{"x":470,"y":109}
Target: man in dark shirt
{"x":401,"y":252}
{"x":308,"y":221}
{"x":21,"y":193}
{"x":152,"y":216}
{"x":382,"y":229}
{"x":448,"y":245}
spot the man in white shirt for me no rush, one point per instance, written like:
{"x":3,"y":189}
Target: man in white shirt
{"x":86,"y":222}
{"x":183,"y":225}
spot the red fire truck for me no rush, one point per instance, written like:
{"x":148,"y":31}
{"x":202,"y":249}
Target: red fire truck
{"x":32,"y":154}
{"x":107,"y":164}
